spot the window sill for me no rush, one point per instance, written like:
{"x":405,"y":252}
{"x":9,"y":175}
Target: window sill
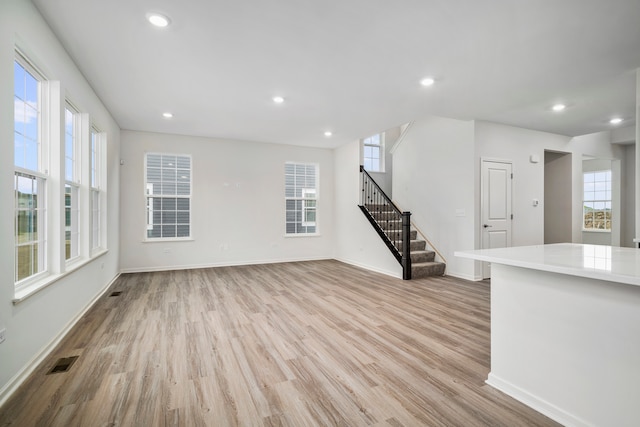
{"x":596,"y":231}
{"x":35,"y":287}
{"x":303,"y":235}
{"x":186,"y":239}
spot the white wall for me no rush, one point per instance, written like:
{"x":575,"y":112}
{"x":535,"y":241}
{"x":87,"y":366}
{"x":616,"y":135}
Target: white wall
{"x":384,"y":179}
{"x":35,"y":323}
{"x":356,"y":240}
{"x":434,"y":179}
{"x":517,"y":144}
{"x":238,"y":207}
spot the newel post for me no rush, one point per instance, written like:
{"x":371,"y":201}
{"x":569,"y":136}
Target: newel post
{"x":406,"y":245}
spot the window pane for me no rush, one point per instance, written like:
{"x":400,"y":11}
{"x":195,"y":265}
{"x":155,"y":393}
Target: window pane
{"x":601,"y":176}
{"x":182,"y":217}
{"x":29,"y":227}
{"x":183,"y":162}
{"x":168,"y":204}
{"x":154,"y":160}
{"x":27,"y":260}
{"x":154,"y":232}
{"x":168,"y":230}
{"x":31,"y":89}
{"x":68,"y":165}
{"x":170,"y":175}
{"x":182,"y":204}
{"x":169,"y":217}
{"x":26,"y":111}
{"x":300,"y":194}
{"x":183,"y":230}
{"x":19,"y":150}
{"x":31,"y":155}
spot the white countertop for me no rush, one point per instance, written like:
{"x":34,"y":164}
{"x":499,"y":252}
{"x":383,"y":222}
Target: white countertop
{"x":611,"y":263}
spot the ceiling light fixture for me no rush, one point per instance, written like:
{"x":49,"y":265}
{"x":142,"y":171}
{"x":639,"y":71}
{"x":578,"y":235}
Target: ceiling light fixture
{"x":158,"y":20}
{"x":167,"y":115}
{"x":328,"y":133}
{"x":278,"y":99}
{"x":558,"y":107}
{"x":615,"y":121}
{"x":427,"y":81}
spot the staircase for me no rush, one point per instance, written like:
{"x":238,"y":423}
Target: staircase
{"x":393,"y":227}
{"x":423,"y":262}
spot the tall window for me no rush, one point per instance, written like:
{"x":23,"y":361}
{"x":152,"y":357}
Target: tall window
{"x":301,"y":198}
{"x":373,"y":153}
{"x":72,"y":183}
{"x":95,"y":177}
{"x":30,"y":173}
{"x":597,"y":201}
{"x":168,"y":193}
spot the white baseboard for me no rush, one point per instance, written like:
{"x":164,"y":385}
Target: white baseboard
{"x":10,"y":387}
{"x":254,"y":262}
{"x":464,"y":276}
{"x":535,"y":402}
{"x":370,"y":268}
{"x":216,"y":264}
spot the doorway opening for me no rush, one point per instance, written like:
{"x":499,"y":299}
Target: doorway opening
{"x":557,"y":197}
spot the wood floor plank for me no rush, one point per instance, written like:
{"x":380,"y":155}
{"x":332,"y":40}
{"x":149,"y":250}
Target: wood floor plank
{"x":315,"y":343}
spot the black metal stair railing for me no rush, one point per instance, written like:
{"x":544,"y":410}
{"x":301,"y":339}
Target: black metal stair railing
{"x":392,"y":225}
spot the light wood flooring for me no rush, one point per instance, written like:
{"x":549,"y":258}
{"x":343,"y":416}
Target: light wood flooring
{"x":296,"y":344}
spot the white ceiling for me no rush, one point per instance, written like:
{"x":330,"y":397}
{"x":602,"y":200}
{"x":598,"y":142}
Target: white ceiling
{"x":353,"y":66}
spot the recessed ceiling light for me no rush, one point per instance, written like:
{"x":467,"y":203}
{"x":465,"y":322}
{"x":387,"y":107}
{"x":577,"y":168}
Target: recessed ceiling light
{"x":167,"y":115}
{"x":328,"y":133}
{"x":278,"y":99}
{"x":558,"y":107}
{"x":615,"y":121}
{"x":158,"y":20}
{"x":427,"y":81}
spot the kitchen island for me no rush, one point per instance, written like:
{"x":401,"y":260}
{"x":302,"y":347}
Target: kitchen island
{"x":565,"y":330}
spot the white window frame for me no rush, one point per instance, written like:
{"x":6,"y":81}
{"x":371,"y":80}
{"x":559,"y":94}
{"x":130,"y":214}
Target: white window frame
{"x":595,"y":200}
{"x":149,"y":199}
{"x":40,"y":177}
{"x":308,"y":201}
{"x":367,"y":143}
{"x":73,"y":182}
{"x":97,"y":190}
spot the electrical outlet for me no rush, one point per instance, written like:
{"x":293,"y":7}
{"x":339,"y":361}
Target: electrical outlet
{"x":2,"y":331}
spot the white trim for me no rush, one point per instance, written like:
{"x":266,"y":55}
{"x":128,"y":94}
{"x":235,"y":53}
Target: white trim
{"x":535,"y":402}
{"x":395,"y":274}
{"x":21,"y":376}
{"x":470,"y":277}
{"x":401,"y":137}
{"x":298,"y":235}
{"x":219,"y":264}
{"x":26,"y":291}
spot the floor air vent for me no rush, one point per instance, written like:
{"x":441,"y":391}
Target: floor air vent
{"x":63,"y":365}
{"x":115,"y":294}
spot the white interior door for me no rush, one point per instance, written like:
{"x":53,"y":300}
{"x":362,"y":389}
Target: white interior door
{"x":496,"y":207}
